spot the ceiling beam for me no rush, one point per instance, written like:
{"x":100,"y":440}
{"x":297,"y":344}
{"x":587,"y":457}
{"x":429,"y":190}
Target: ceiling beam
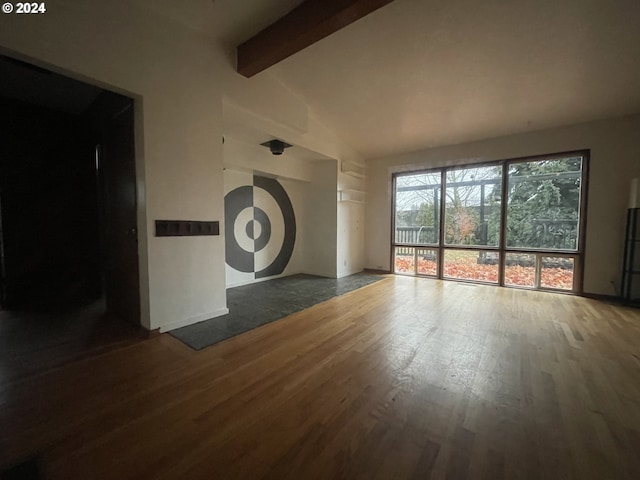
{"x":306,"y":24}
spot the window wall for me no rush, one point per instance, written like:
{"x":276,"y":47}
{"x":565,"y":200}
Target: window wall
{"x":516,"y":223}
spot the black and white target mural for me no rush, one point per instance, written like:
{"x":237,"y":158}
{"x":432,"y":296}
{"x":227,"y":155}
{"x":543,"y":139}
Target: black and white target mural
{"x":260,"y":228}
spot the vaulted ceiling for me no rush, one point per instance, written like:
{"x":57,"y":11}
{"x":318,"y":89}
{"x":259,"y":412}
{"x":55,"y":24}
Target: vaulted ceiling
{"x":422,"y":73}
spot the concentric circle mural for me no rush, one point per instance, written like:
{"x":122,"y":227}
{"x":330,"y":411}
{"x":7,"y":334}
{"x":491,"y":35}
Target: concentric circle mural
{"x":260,"y":228}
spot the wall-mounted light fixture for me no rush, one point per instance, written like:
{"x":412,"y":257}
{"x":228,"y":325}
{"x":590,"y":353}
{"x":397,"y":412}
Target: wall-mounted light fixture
{"x":276,"y":146}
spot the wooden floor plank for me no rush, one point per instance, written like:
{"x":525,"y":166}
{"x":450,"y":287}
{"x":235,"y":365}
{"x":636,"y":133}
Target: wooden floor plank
{"x":406,"y":378}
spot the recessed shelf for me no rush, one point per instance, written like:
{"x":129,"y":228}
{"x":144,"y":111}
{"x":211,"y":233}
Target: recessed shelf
{"x":348,"y":195}
{"x":352,"y":169}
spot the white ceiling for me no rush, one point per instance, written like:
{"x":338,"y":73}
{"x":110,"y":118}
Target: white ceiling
{"x":424,"y":73}
{"x":233,"y":21}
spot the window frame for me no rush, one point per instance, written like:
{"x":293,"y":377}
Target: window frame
{"x":501,"y":249}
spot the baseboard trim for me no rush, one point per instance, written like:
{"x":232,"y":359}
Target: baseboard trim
{"x":376,"y":271}
{"x":603,"y":298}
{"x":149,"y":334}
{"x":320,"y":274}
{"x":190,"y":321}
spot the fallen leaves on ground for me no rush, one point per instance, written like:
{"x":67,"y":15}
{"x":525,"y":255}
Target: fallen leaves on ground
{"x":514,"y":274}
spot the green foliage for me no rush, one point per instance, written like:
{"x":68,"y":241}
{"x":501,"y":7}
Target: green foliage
{"x":426,"y":215}
{"x":544,"y":200}
{"x":543,"y":205}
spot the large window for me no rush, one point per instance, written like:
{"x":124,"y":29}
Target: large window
{"x":418,"y":208}
{"x":472,"y":206}
{"x":514,"y":223}
{"x":543,"y":209}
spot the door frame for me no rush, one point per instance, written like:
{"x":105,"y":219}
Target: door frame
{"x":140,"y":172}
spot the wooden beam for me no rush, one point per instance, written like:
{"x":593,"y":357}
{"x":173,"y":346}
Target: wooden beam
{"x":306,"y":24}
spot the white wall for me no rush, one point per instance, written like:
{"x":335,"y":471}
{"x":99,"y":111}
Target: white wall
{"x":173,"y":73}
{"x":297,"y":192}
{"x":321,"y":224}
{"x":297,"y":125}
{"x":240,"y":154}
{"x":311,"y":186}
{"x":615,"y":159}
{"x":263,"y":104}
{"x":179,"y":78}
{"x":349,"y":252}
{"x":350,"y":218}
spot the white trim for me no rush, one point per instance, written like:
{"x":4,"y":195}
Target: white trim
{"x":348,"y":273}
{"x":318,"y":273}
{"x":190,"y":321}
{"x":262,"y":279}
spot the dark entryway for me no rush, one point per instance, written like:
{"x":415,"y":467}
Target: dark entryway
{"x":68,"y":238}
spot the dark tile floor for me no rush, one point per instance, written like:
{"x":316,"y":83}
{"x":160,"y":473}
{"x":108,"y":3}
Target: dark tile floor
{"x":251,"y":306}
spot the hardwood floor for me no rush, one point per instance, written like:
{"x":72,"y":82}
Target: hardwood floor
{"x":406,"y":378}
{"x":32,"y":342}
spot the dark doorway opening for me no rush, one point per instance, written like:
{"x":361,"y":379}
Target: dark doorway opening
{"x":68,"y":240}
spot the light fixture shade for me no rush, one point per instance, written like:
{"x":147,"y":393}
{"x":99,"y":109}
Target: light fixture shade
{"x":634,"y":194}
{"x":276,"y":146}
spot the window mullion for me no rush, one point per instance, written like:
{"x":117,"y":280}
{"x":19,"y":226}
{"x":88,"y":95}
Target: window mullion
{"x":503,"y":222}
{"x":443,"y":200}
